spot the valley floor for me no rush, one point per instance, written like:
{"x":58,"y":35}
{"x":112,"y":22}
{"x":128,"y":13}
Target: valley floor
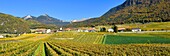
{"x":87,"y":44}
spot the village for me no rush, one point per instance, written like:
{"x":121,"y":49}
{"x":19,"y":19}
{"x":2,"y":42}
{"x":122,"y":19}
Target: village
{"x":83,"y":29}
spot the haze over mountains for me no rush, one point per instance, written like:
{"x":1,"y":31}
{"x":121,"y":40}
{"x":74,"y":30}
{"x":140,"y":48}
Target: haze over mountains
{"x":133,"y":11}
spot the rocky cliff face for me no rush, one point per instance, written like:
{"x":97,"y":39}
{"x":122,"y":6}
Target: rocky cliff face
{"x":146,"y":2}
{"x":136,"y":2}
{"x":131,"y":3}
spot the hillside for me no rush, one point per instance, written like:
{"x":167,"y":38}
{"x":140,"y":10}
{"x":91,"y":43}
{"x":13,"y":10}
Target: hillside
{"x":133,"y":11}
{"x":11,"y":24}
{"x":33,"y":24}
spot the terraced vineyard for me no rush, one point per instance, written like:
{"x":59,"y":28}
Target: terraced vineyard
{"x":76,"y":44}
{"x":19,"y":49}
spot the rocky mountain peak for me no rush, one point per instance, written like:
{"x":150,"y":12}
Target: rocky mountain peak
{"x":131,"y":3}
{"x":136,"y":2}
{"x":45,"y":15}
{"x":28,"y":17}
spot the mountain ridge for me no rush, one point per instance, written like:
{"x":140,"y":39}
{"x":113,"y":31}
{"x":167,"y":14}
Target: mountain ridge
{"x":46,"y":19}
{"x":133,"y":11}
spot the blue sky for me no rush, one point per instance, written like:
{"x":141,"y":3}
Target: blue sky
{"x":62,"y":9}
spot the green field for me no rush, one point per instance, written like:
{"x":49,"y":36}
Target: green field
{"x":138,"y":38}
{"x":117,"y":39}
{"x":86,"y":44}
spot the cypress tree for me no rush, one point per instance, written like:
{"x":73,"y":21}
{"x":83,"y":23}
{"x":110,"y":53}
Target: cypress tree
{"x":115,"y":29}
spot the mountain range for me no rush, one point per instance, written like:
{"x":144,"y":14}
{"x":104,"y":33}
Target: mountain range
{"x":46,"y":19}
{"x":132,"y":11}
{"x":12,"y":24}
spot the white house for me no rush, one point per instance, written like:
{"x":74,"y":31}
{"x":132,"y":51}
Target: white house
{"x":48,"y":31}
{"x":136,"y":30}
{"x":40,"y":31}
{"x":86,"y":30}
{"x":61,"y":29}
{"x":1,"y":36}
{"x":110,"y":30}
{"x":79,"y":30}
